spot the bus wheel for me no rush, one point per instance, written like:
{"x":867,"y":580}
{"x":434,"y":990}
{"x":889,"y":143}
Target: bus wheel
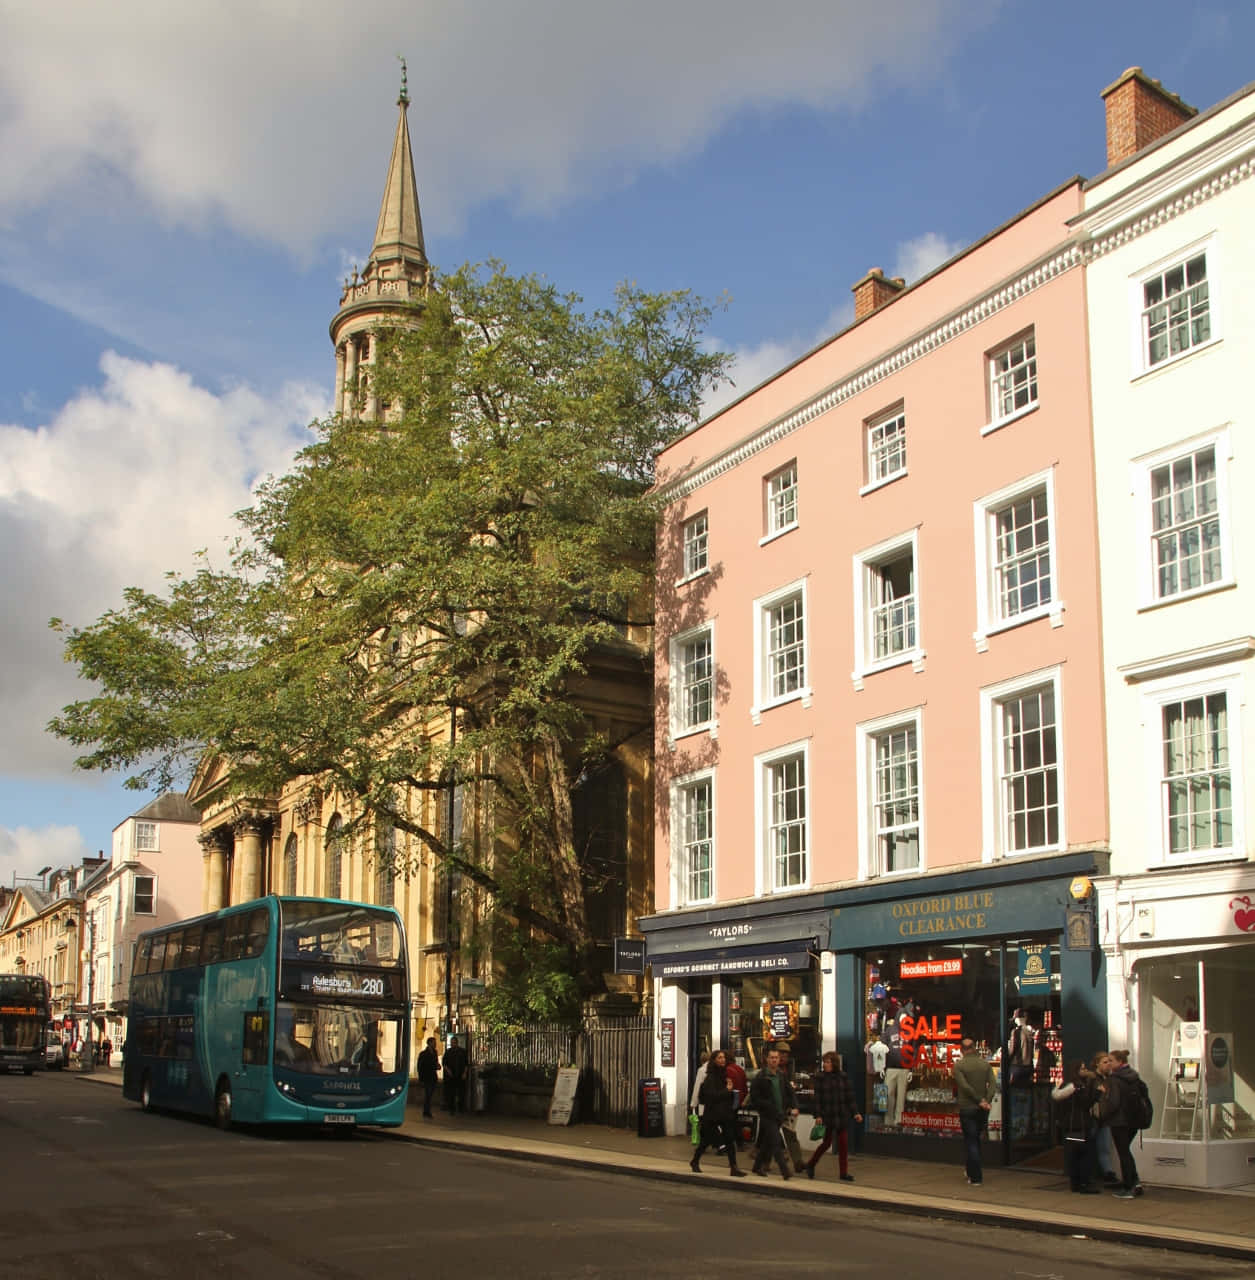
{"x":222,"y":1105}
{"x":146,"y":1093}
{"x":28,"y":1071}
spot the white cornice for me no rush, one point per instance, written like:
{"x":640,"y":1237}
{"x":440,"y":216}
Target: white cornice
{"x":1080,"y":252}
{"x":1237,"y":649}
{"x":1055,"y":264}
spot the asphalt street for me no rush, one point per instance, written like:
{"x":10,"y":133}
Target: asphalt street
{"x":92,"y":1187}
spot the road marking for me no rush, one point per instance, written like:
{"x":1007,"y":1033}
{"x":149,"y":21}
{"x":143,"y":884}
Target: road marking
{"x":82,"y":1120}
{"x":214,"y":1235}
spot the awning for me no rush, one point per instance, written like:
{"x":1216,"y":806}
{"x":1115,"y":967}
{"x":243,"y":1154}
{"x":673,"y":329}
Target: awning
{"x":763,"y":958}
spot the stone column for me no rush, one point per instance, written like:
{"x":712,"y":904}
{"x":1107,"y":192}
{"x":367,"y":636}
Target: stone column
{"x":372,"y":400}
{"x":349,"y":405}
{"x":216,"y":873}
{"x":248,"y":837}
{"x":340,"y":357}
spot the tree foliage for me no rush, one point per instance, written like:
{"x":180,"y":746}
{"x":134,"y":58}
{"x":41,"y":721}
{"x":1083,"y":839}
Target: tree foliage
{"x":472,"y":549}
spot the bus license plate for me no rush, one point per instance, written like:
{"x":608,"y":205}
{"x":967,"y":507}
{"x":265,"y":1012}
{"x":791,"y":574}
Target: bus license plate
{"x":339,"y":1118}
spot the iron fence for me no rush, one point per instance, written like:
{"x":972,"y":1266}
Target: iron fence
{"x":613,"y":1052}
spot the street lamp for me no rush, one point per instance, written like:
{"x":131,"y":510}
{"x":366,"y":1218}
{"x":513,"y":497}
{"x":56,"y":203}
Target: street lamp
{"x":87,"y":1058}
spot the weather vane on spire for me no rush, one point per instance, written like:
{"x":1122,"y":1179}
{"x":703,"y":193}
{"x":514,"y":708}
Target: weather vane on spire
{"x":405,"y":90}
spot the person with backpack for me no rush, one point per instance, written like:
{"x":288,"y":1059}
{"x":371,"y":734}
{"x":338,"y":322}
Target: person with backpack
{"x":1124,"y":1104}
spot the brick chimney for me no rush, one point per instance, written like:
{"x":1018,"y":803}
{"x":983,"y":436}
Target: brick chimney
{"x":1139,"y":111}
{"x":874,"y":290}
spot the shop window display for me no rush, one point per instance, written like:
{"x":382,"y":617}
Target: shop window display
{"x":1199,"y":1068}
{"x":781,"y":1012}
{"x":922,"y":1001}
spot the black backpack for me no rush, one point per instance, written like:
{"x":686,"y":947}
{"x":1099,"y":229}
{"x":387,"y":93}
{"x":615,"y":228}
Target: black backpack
{"x":1141,"y":1109}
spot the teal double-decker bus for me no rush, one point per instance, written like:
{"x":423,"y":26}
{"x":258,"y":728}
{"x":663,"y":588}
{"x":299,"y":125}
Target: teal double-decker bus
{"x":278,"y":1011}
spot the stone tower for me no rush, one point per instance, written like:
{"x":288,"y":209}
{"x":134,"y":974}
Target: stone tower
{"x":395,"y":276}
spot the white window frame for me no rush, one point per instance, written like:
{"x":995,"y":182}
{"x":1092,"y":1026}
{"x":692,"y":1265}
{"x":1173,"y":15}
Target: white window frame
{"x":994,"y":378}
{"x":1143,"y":467}
{"x":984,"y":514}
{"x":764,"y":864}
{"x":1158,"y":694}
{"x":865,"y":562}
{"x":874,"y":478}
{"x":993,"y":815}
{"x":1140,"y":354}
{"x":780,"y":513}
{"x":151,"y":830}
{"x":135,"y":879}
{"x":764,"y":699}
{"x":866,"y":736}
{"x":680,"y":870}
{"x":679,"y":689}
{"x":689,"y":569}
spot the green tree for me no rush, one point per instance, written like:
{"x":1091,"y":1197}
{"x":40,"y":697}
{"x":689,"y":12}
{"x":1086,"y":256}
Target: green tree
{"x":470,"y":550}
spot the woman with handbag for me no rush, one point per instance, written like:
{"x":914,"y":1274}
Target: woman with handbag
{"x":835,"y":1107}
{"x":718,"y":1101}
{"x":1075,"y":1100}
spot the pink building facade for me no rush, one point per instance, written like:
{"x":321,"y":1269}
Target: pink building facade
{"x":880,"y":738}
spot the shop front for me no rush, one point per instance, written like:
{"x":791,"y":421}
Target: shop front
{"x":1005,"y":955}
{"x":1180,"y":950}
{"x":743,"y":979}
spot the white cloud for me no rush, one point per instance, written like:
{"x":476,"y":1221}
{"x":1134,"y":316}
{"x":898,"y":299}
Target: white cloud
{"x":129,"y":479}
{"x":25,"y":851}
{"x":916,"y":258}
{"x":242,"y":115}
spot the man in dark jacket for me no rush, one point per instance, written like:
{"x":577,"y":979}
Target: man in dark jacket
{"x":1117,"y":1089}
{"x":771,"y":1095}
{"x":456,"y":1065}
{"x":428,"y":1073}
{"x":835,"y":1107}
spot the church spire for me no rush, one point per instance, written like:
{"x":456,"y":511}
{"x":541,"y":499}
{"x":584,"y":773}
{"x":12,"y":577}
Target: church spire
{"x":399,"y":231}
{"x":393,"y":280}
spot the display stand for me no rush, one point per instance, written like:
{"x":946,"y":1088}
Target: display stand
{"x":1183,"y":1093}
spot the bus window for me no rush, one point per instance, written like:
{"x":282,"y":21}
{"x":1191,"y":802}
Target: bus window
{"x":211,"y":948}
{"x":158,"y":953}
{"x":174,"y":944}
{"x":190,"y":955}
{"x":142,"y":955}
{"x":236,"y":936}
{"x":258,"y":931}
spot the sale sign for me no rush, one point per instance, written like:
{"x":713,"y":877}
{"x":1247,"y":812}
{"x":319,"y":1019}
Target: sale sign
{"x":951,"y":967}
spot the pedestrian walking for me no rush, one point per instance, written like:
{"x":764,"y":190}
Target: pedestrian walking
{"x":1075,"y":1100}
{"x":106,"y":1050}
{"x":456,"y":1065}
{"x":835,"y":1107}
{"x":717,"y":1098}
{"x":428,"y":1073}
{"x":771,"y":1095}
{"x":975,"y":1089}
{"x":788,"y":1130}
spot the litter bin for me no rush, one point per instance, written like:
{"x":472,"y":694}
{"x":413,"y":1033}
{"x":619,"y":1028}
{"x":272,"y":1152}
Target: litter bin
{"x":478,"y":1090}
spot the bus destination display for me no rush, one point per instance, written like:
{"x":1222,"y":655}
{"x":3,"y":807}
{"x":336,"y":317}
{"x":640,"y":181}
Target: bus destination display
{"x":342,"y":984}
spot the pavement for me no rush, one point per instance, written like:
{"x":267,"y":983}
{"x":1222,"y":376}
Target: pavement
{"x":1220,"y":1222}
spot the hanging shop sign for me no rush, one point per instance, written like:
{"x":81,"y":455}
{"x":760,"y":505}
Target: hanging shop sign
{"x":1034,"y":967}
{"x":1079,"y":932}
{"x":629,"y":955}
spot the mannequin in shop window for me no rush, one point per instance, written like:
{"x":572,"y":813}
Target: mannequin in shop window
{"x":1021,"y":1049}
{"x":896,"y":1074}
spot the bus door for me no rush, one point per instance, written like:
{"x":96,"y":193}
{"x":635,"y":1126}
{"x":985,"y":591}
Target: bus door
{"x":253,"y":1074}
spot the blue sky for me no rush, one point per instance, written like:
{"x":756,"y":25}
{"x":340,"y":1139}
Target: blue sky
{"x":185,"y":187}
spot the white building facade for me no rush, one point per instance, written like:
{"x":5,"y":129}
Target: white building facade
{"x":1171,"y":308}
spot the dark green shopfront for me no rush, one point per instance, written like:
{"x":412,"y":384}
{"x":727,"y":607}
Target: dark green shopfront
{"x":1005,"y":953}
